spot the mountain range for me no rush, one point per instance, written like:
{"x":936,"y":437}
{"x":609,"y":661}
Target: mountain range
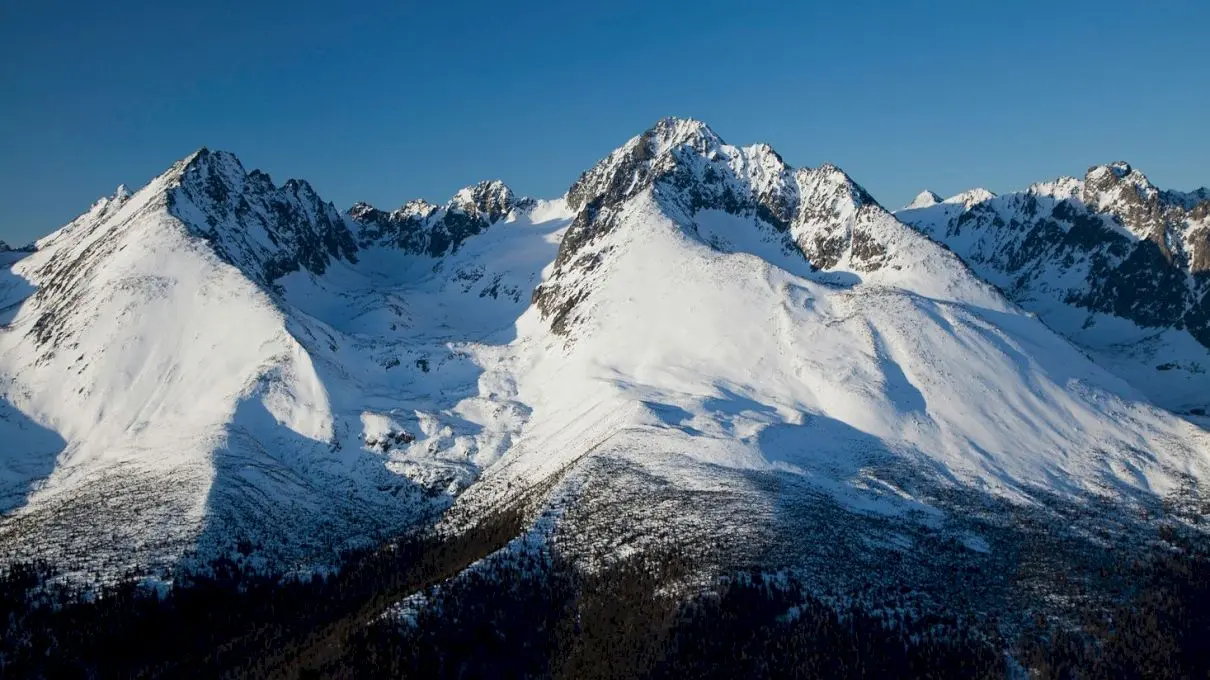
{"x":1117,"y":265}
{"x":696,"y":345}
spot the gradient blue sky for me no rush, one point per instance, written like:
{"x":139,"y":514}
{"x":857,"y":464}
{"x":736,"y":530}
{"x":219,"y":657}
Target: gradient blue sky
{"x":399,"y":100}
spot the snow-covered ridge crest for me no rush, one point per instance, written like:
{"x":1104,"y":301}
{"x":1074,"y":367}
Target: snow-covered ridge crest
{"x":1116,"y":263}
{"x":199,"y":357}
{"x":820,"y":216}
{"x":685,"y":344}
{"x":420,"y":227}
{"x":264,"y":229}
{"x":924,"y":199}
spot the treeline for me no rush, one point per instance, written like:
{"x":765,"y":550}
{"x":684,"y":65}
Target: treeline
{"x":621,"y":623}
{"x":537,"y":616}
{"x":530,"y":613}
{"x":228,"y":621}
{"x":1160,"y":629}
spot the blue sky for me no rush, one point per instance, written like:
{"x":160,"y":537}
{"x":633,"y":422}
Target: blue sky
{"x":399,"y":100}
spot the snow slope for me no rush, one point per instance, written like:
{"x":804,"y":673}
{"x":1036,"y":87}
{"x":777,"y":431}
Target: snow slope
{"x":697,"y":344}
{"x":687,"y":342}
{"x":180,"y":377}
{"x":1110,"y":261}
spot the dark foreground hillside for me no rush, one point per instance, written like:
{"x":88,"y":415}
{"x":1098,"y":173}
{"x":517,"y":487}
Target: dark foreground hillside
{"x":530,"y":613}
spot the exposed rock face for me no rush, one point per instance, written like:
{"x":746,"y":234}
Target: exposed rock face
{"x":423,"y":228}
{"x":837,"y":221}
{"x":821,"y":214}
{"x":281,"y":229}
{"x":289,"y":228}
{"x":747,"y":354}
{"x":191,"y":393}
{"x":1111,"y":243}
{"x":694,"y":170}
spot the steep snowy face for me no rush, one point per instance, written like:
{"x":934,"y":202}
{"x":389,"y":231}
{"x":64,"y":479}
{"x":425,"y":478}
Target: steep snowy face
{"x":420,"y":227}
{"x":690,"y":171}
{"x":160,"y":395}
{"x":716,"y":346}
{"x":819,"y":218}
{"x":839,"y":227}
{"x":1110,"y":260}
{"x":924,"y":199}
{"x":724,"y":337}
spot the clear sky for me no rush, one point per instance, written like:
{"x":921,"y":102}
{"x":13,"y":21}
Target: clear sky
{"x":399,"y":100}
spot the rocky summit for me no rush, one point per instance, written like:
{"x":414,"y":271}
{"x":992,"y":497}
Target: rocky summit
{"x":1116,"y":264}
{"x":697,"y":360}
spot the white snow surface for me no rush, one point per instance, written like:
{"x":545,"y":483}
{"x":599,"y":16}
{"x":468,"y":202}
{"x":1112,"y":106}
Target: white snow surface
{"x":155,"y":399}
{"x":924,"y":199}
{"x":727,"y":360}
{"x":168,"y":399}
{"x":1166,"y":363}
{"x":702,"y":349}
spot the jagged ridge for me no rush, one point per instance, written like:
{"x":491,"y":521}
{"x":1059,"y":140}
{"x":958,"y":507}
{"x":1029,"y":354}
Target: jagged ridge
{"x":1110,"y":244}
{"x":756,"y":337}
{"x":820,"y":214}
{"x":423,"y":228}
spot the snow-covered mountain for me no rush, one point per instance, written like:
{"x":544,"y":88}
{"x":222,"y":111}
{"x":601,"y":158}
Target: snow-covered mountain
{"x":1116,"y":264}
{"x":423,"y":228}
{"x":698,"y":343}
{"x":215,"y":360}
{"x":723,"y":340}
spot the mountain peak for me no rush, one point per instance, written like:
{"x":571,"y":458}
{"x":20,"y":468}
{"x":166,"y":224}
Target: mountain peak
{"x":1110,"y":177}
{"x":828,"y":182}
{"x":204,"y":156}
{"x":492,"y":199}
{"x":108,"y":203}
{"x":670,"y":132}
{"x":417,"y":207}
{"x":1126,"y":193}
{"x":421,"y":227}
{"x":1107,"y":245}
{"x":217,"y":174}
{"x":681,"y":152}
{"x":220,"y":174}
{"x":924,"y":199}
{"x":27,"y":248}
{"x":820,"y":216}
{"x":264,"y":229}
{"x":971,"y":197}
